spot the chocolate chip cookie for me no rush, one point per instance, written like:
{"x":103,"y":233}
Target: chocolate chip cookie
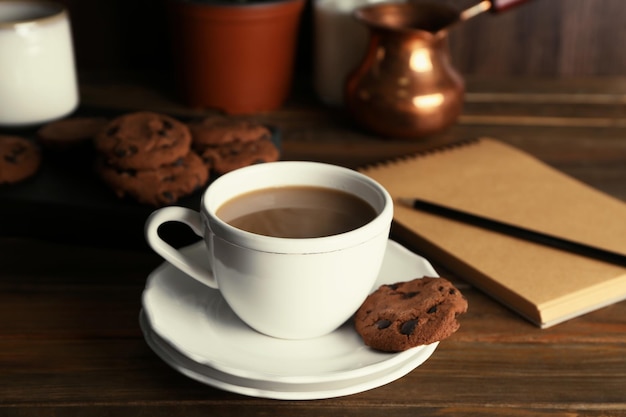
{"x":227,"y":144}
{"x":403,"y":315}
{"x":70,"y":132}
{"x":156,"y":187}
{"x":20,"y":158}
{"x":224,"y":159}
{"x":143,"y":140}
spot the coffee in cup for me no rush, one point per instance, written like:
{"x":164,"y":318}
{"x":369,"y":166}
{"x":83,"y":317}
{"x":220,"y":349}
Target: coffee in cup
{"x":297,"y":212}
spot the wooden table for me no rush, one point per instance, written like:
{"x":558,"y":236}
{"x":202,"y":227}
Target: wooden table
{"x":70,"y":342}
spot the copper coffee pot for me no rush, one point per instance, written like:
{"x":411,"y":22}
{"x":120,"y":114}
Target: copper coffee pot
{"x":406,"y":87}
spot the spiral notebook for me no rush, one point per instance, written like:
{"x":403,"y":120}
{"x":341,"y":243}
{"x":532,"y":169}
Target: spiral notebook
{"x":495,"y":180}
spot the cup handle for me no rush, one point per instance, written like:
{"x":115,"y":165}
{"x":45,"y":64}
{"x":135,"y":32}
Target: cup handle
{"x":186,"y":264}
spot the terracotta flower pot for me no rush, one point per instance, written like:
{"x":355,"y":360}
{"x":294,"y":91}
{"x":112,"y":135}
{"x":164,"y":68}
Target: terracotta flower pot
{"x":235,"y":57}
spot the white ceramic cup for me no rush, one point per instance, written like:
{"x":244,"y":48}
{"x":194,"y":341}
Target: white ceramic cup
{"x":288,"y":288}
{"x":38,"y":75}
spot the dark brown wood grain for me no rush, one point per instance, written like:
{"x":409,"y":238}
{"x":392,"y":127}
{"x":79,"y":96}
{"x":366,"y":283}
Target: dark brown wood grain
{"x":544,"y":38}
{"x":70,"y":342}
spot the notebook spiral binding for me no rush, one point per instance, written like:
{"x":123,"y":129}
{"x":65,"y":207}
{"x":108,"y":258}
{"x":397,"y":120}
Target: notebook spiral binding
{"x":446,"y":147}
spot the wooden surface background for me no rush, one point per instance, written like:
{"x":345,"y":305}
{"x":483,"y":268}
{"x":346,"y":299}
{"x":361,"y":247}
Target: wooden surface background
{"x":540,"y":38}
{"x":70,"y":342}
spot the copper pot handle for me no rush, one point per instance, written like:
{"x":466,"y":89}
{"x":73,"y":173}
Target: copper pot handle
{"x":494,"y":6}
{"x":498,"y":6}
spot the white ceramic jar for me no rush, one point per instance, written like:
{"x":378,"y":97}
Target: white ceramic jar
{"x":38,"y":81}
{"x":339,"y":45}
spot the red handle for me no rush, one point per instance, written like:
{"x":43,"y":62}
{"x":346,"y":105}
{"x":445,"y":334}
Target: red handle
{"x":498,"y":6}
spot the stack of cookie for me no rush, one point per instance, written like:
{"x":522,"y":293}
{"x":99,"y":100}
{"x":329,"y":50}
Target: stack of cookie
{"x":150,"y":157}
{"x":147,"y":156}
{"x":226,"y":144}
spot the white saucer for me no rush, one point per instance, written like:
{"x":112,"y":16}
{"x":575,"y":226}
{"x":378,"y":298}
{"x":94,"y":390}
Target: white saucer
{"x":278,"y":390}
{"x":192,"y":328}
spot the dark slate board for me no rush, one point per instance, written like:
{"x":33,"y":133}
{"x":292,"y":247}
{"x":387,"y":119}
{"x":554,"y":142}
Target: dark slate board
{"x":66,"y":202}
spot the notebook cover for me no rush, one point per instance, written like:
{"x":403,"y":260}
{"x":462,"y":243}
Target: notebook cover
{"x":492,"y":179}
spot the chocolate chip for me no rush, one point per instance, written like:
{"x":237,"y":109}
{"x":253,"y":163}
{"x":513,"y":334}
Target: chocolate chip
{"x":125,"y":171}
{"x":124,"y":152}
{"x":408,"y":327}
{"x":162,"y":132}
{"x":410,"y":294}
{"x":393,"y":286}
{"x":167,"y":124}
{"x":16,"y":151}
{"x":383,"y":324}
{"x":208,"y":159}
{"x":432,"y":310}
{"x":112,"y":130}
{"x":168,"y":196}
{"x":452,"y":291}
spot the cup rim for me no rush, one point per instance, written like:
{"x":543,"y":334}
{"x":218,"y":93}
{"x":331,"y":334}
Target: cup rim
{"x":380,"y":224}
{"x":57,"y":11}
